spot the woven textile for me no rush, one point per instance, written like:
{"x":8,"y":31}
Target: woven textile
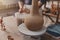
{"x":54,"y":30}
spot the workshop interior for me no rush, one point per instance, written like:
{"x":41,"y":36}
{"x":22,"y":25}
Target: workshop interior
{"x":29,"y":19}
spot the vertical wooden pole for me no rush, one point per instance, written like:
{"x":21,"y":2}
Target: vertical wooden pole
{"x":58,"y":12}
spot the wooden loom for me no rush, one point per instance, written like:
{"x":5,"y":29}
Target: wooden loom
{"x":51,"y":14}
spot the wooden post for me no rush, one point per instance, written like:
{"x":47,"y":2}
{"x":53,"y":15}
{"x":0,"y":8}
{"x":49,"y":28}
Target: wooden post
{"x":58,"y":12}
